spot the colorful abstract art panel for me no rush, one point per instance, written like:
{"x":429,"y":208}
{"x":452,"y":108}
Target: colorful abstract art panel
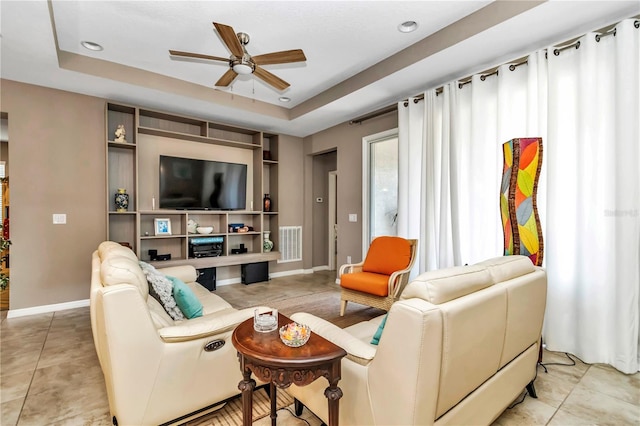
{"x":518,"y":208}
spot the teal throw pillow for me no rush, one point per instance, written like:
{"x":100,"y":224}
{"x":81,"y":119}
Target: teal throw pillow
{"x":376,"y":337}
{"x":186,"y":299}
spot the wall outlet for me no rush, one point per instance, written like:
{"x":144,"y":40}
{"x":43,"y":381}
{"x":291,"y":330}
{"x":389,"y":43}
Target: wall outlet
{"x":353,"y":217}
{"x":348,"y":259}
{"x":59,"y":218}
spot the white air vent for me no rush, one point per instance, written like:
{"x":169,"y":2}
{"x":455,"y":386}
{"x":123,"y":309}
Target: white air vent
{"x":290,"y":244}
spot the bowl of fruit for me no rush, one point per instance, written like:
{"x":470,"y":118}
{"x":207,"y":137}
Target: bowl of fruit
{"x":294,"y":334}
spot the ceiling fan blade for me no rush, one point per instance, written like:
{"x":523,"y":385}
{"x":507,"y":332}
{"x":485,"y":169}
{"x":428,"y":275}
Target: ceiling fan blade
{"x":271,"y":79}
{"x":230,"y":38}
{"x":196,"y":55}
{"x":284,"y":57}
{"x":227,"y":78}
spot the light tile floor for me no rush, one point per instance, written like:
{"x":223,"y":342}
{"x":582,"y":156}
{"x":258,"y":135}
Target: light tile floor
{"x":49,"y":372}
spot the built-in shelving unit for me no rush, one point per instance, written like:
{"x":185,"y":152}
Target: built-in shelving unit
{"x":136,"y":227}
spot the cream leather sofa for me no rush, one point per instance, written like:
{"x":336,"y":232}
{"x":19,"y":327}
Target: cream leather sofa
{"x":457,"y":348}
{"x":157,"y":369}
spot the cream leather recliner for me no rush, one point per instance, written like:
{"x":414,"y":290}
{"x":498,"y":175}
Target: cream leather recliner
{"x":457,"y":348}
{"x":157,"y":369}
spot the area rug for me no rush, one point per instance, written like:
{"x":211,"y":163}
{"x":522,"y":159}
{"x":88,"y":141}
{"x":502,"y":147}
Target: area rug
{"x":326,"y":305}
{"x":231,"y":413}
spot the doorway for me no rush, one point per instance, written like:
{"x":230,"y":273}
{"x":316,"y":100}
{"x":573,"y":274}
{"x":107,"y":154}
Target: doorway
{"x":323,"y":165}
{"x":333,"y":220}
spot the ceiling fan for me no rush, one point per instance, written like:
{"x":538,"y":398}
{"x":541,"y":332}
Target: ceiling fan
{"x":240,"y":62}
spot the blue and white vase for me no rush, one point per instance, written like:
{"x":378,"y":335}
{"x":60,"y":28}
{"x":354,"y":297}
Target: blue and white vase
{"x":267,"y":244}
{"x":122,"y":200}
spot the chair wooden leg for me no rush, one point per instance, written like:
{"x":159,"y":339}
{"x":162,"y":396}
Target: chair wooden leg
{"x":343,"y":307}
{"x":532,"y":390}
{"x":298,"y":406}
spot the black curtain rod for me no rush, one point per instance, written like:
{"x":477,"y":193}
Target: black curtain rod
{"x":374,"y":114}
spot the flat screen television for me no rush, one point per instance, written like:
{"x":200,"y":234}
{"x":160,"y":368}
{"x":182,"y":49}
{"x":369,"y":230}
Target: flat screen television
{"x":187,"y":183}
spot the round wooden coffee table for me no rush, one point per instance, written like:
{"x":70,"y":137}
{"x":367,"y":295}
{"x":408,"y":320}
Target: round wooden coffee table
{"x":264,"y":355}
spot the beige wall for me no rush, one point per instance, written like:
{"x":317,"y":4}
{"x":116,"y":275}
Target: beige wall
{"x":58,"y":156}
{"x":347,"y":140}
{"x":58,"y":153}
{"x":290,"y":191}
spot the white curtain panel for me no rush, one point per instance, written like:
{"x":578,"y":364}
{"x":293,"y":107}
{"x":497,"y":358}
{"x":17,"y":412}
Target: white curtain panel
{"x":592,"y":244}
{"x":584,"y":103}
{"x":441,"y":243}
{"x":411,"y":191}
{"x":466,"y":129}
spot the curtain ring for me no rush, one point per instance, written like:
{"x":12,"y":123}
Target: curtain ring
{"x":577,"y":45}
{"x":556,"y":52}
{"x":512,"y":67}
{"x":636,"y":24}
{"x":598,"y":38}
{"x":483,"y":77}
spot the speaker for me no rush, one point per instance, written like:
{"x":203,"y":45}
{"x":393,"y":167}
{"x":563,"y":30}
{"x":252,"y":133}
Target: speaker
{"x":207,"y":277}
{"x":254,"y":272}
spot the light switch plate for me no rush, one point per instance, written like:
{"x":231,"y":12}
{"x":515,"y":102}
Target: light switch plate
{"x":59,"y":218}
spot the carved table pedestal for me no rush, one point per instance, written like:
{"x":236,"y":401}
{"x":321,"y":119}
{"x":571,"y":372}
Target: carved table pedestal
{"x":264,"y":355}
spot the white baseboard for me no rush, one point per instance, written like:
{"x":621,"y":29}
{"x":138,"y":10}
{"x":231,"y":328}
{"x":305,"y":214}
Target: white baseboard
{"x":276,"y":275}
{"x":238,"y":280}
{"x":292,"y":272}
{"x":321,"y":268}
{"x":228,"y":281}
{"x":15,"y":313}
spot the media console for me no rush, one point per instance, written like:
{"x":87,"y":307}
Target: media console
{"x":204,"y":250}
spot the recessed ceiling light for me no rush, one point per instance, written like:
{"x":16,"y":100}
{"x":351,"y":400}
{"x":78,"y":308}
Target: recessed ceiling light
{"x":284,"y":99}
{"x":91,"y":46}
{"x":408,"y":26}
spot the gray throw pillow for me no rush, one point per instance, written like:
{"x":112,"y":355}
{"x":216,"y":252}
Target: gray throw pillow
{"x":161,"y":289}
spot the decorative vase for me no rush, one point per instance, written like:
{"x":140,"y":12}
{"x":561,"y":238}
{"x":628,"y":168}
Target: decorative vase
{"x":267,"y":244}
{"x":122,"y":200}
{"x":266,"y":203}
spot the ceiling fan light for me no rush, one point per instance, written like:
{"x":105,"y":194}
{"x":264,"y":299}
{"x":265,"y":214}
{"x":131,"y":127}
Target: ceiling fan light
{"x":243,"y":69}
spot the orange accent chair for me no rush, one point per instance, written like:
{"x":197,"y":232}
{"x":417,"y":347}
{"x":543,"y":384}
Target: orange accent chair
{"x":379,"y":280}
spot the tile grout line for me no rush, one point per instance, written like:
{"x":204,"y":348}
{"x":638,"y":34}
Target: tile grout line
{"x":35,"y":369}
{"x":568,"y":395}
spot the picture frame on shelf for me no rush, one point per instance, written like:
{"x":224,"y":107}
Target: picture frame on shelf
{"x":162,"y":226}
